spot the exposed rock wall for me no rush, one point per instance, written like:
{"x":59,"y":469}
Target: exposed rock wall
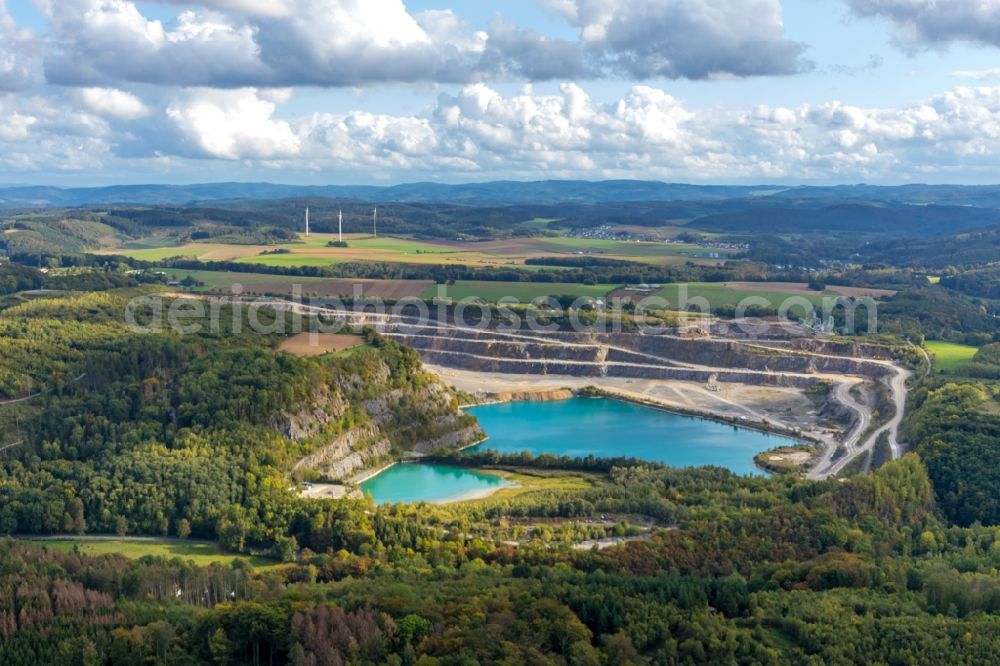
{"x":452,"y":440}
{"x":348,"y":453}
{"x":444,"y":346}
{"x":528,"y":396}
{"x":327,"y":407}
{"x":391,"y":416}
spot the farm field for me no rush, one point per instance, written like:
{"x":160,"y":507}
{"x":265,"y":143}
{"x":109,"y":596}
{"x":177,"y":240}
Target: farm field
{"x":202,"y":553}
{"x":801,"y":289}
{"x":263,"y":284}
{"x":949,"y":356}
{"x":633,"y":249}
{"x":538,"y":223}
{"x":314,"y":251}
{"x":317,"y":344}
{"x":524,"y":292}
{"x":719,"y":294}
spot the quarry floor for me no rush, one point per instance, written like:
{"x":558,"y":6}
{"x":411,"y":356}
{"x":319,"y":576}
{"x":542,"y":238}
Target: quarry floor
{"x":786,"y":408}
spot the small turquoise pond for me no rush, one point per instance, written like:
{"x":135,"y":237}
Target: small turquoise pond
{"x":417,"y":482}
{"x":578,"y":427}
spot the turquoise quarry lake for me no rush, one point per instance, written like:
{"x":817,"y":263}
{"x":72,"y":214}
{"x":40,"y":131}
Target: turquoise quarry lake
{"x":578,"y":427}
{"x":418,"y":482}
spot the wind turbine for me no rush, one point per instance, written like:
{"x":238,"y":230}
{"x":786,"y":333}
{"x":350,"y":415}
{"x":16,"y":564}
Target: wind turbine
{"x":375,"y":223}
{"x":340,"y":225}
{"x":307,"y":221}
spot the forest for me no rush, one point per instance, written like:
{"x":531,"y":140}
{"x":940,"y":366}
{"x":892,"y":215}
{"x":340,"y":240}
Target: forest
{"x":136,"y":433}
{"x":161,"y":434}
{"x":754,"y":571}
{"x":109,"y":431}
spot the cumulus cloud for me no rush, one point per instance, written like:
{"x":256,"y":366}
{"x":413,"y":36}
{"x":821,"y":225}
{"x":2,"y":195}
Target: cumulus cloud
{"x":652,"y":133}
{"x":102,"y":42}
{"x":481,"y":132}
{"x":647,"y":131}
{"x":244,"y":43}
{"x":113,"y":102}
{"x":693,"y":39}
{"x":936,"y":22}
{"x":233,"y":43}
{"x":234,"y":124}
{"x":39,"y":133}
{"x":252,"y":7}
{"x":20,"y":54}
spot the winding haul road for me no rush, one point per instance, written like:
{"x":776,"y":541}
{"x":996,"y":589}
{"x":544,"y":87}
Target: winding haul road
{"x":825,"y":467}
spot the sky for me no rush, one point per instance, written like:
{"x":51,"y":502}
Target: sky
{"x":101,"y":92}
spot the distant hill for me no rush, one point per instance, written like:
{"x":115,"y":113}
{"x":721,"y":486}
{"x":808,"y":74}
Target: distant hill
{"x":547,"y":192}
{"x":899,"y":219}
{"x":506,"y":192}
{"x":964,"y":250}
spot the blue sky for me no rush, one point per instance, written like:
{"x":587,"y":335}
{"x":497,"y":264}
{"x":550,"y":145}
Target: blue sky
{"x":104,"y":91}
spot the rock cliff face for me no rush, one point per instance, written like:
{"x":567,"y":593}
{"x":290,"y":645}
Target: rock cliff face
{"x":358,"y":422}
{"x":348,"y":453}
{"x":527,"y":396}
{"x":327,"y":408}
{"x":635,"y":355}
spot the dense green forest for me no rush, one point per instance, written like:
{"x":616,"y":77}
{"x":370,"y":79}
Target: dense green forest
{"x":756,"y":571}
{"x":109,"y":430}
{"x":138,"y":432}
{"x":162,"y":434}
{"x":955,"y":426}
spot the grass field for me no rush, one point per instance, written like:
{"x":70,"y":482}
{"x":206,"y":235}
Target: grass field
{"x":721,"y":295}
{"x":629,"y":248}
{"x":200,"y":552}
{"x":949,"y":356}
{"x":538,"y":480}
{"x":524,"y":292}
{"x":262,"y":283}
{"x":538,"y":223}
{"x":315,"y":251}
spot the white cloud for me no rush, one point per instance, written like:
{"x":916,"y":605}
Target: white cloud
{"x":650,"y":133}
{"x":113,"y":102}
{"x":686,"y":38}
{"x":929,"y":22}
{"x":233,"y":124}
{"x":251,"y":7}
{"x":20,"y":54}
{"x":647,"y":133}
{"x":242,"y":43}
{"x":103,"y":42}
{"x":979,"y":74}
{"x":46,"y":134}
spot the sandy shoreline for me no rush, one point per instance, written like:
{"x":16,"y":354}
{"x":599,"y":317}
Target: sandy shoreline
{"x":366,"y":475}
{"x":771,"y":410}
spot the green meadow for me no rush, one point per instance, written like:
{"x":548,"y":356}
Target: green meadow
{"x":524,"y":292}
{"x":202,"y":553}
{"x":720,"y":295}
{"x":949,"y":356}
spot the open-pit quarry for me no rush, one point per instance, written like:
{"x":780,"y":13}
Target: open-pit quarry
{"x":840,"y":395}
